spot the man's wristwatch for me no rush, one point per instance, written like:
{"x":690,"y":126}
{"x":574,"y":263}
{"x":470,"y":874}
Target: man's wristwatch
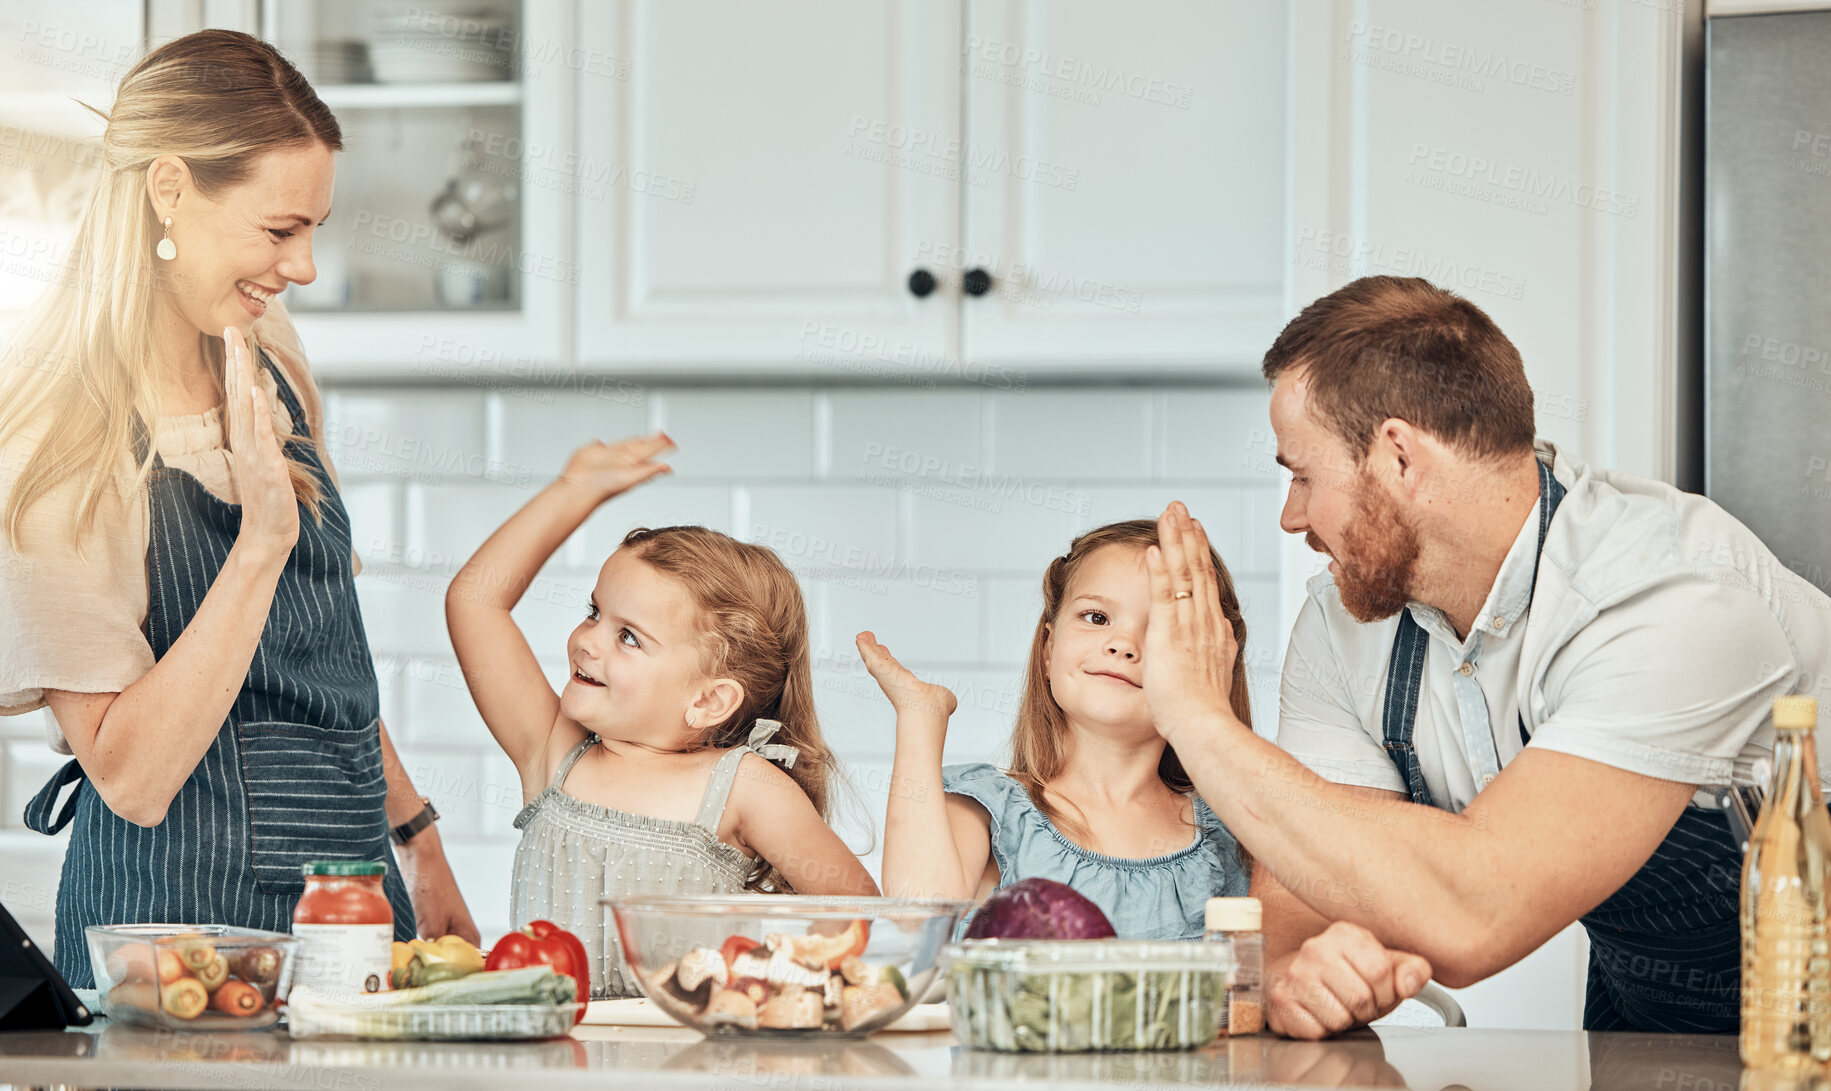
{"x":404,"y":832}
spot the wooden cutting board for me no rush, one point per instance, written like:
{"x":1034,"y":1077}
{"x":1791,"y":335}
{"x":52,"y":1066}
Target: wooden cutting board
{"x":640,"y":1012}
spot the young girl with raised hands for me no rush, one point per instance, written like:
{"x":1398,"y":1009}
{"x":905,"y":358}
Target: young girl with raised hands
{"x":1093,"y":797}
{"x":651,"y":770}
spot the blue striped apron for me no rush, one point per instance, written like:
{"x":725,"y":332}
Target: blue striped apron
{"x":294,"y":773}
{"x":1665,"y":950}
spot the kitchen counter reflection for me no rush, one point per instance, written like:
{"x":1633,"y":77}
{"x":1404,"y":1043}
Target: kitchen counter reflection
{"x":1392,"y":1057}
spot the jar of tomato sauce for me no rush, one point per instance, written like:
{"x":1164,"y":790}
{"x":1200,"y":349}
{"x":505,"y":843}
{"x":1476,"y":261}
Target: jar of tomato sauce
{"x":345,"y":928}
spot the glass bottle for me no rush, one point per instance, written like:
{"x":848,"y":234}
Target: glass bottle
{"x":1236,"y":922}
{"x":1786,"y":965}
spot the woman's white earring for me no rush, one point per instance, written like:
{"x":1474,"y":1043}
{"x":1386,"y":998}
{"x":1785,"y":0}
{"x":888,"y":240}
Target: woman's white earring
{"x":690,"y":720}
{"x":167,"y":249}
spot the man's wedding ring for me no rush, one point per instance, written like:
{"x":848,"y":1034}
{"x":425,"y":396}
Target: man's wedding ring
{"x":1183,"y":595}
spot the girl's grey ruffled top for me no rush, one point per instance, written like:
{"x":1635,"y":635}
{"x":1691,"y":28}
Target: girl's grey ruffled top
{"x":574,"y":854}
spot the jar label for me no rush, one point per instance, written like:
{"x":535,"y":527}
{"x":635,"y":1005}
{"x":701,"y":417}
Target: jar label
{"x":343,"y":958}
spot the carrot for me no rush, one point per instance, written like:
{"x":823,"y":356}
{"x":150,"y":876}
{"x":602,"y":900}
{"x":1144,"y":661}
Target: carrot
{"x":198,"y":955}
{"x":184,"y":998}
{"x":171,"y":967}
{"x":237,"y":998}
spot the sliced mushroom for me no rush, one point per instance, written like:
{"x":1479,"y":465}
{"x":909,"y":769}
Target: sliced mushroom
{"x":784,"y":970}
{"x":664,"y":984}
{"x":730,"y":1008}
{"x":751,"y":965}
{"x":793,"y":1009}
{"x":857,"y":972}
{"x":860,"y":1003}
{"x":700,"y":966}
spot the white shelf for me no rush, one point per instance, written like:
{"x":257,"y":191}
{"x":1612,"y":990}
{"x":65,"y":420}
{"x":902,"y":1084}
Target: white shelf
{"x":388,"y":96}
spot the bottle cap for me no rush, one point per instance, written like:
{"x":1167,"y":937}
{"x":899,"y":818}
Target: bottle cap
{"x":1795,"y":713}
{"x":347,"y":868}
{"x":1232,"y":915}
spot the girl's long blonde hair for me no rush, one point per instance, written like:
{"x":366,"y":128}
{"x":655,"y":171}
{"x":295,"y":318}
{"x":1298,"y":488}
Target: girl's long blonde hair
{"x":1039,"y":743}
{"x":80,"y":362}
{"x":754,"y":629}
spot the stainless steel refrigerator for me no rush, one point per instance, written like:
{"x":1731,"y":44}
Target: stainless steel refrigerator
{"x":1767,"y":279}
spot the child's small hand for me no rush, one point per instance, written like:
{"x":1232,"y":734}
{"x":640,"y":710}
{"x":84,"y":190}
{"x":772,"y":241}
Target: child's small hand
{"x":611,"y":468}
{"x":908,"y":694}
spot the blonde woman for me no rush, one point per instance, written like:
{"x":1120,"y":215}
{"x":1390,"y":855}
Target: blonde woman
{"x":175,"y":562}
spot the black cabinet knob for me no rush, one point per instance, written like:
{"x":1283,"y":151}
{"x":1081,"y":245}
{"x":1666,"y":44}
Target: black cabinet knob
{"x":977,"y":282}
{"x":921,"y":282}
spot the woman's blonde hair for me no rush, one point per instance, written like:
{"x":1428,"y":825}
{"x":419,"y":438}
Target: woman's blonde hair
{"x":1039,"y":743}
{"x":80,"y":360}
{"x":753,"y":627}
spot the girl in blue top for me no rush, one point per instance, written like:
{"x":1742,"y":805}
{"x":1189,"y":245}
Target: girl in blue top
{"x":1094,"y":797}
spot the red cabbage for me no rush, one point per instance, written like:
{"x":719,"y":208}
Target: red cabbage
{"x":1038,"y":909}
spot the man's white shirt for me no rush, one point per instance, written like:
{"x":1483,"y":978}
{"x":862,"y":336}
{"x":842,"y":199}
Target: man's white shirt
{"x":1659,"y":634}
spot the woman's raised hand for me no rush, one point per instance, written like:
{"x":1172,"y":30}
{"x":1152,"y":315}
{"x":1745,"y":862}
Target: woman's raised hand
{"x":607,"y":469}
{"x":909,"y":695}
{"x":270,"y":509}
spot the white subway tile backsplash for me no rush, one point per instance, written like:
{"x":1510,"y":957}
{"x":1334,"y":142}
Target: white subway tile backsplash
{"x":375,"y":518}
{"x":855,"y":716}
{"x":928,"y":615}
{"x":28,"y":765}
{"x":482,"y":866}
{"x":1054,"y":434}
{"x":662,"y":502}
{"x":452,"y":779}
{"x":1221,"y":511}
{"x":447,"y":522}
{"x":1216,"y":434}
{"x":538,"y":429}
{"x":1262,"y":542}
{"x":28,"y":886}
{"x":823,"y":525}
{"x":403,"y":610}
{"x":1012,"y":605}
{"x":438,"y":705}
{"x":411,"y":434}
{"x":979,"y":529}
{"x":878,"y":433}
{"x":739,"y":434}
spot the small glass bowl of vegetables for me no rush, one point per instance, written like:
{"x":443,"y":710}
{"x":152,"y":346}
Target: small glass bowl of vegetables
{"x":781,"y":965}
{"x":191,"y":976}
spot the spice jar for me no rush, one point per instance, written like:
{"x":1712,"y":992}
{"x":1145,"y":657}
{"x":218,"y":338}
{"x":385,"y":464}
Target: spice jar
{"x":345,"y":928}
{"x":1236,"y":922}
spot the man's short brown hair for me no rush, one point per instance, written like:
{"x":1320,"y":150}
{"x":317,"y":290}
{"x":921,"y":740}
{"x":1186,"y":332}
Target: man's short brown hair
{"x":1384,"y":347}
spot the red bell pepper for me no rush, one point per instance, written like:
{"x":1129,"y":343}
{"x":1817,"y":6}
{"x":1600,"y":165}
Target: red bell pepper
{"x":735,"y":946}
{"x":543,"y":943}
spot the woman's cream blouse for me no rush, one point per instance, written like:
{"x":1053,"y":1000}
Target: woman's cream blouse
{"x":76,"y":620}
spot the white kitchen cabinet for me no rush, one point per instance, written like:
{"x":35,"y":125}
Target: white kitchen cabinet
{"x":1118,"y":198}
{"x":1127,"y":197}
{"x":773,"y":174}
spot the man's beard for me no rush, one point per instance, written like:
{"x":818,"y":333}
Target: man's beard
{"x":1379,"y":553}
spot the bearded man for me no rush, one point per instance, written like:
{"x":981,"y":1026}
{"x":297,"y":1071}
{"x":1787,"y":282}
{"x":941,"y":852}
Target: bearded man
{"x":1503,"y":706}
